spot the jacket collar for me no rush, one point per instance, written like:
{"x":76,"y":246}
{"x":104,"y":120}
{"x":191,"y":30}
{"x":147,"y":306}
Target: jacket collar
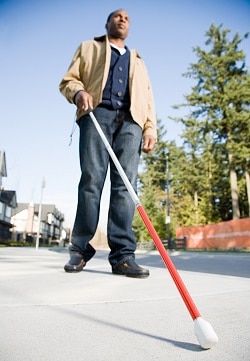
{"x":104,"y":38}
{"x":101,"y":38}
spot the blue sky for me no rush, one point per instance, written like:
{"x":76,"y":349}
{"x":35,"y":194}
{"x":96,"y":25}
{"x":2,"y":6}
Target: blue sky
{"x":37,"y":42}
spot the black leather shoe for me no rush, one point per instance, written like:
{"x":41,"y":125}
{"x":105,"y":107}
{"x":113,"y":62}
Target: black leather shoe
{"x":129,"y":268}
{"x":75,"y":264}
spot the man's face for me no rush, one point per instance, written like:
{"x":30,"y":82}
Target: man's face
{"x":118,"y":25}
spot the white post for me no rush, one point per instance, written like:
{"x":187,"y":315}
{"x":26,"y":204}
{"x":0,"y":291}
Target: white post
{"x":168,"y":204}
{"x":40,"y":214}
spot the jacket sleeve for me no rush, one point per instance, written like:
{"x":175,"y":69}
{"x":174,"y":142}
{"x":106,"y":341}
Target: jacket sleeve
{"x":150,"y":126}
{"x":71,"y":82}
{"x":141,"y":95}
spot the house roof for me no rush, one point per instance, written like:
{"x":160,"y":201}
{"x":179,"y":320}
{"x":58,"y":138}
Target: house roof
{"x":46,"y":208}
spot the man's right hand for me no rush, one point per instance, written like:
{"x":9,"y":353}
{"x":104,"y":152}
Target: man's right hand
{"x":83,"y":100}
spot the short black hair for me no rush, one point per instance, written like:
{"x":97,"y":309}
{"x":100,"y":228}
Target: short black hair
{"x":110,"y":15}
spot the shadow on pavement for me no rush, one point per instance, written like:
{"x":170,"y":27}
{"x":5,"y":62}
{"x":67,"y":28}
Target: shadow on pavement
{"x":184,"y":345}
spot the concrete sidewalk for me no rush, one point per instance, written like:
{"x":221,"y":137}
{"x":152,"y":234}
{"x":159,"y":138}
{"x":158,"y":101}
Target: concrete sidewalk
{"x":47,"y":314}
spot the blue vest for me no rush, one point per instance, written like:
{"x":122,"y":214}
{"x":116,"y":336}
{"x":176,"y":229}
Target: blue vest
{"x":116,"y":92}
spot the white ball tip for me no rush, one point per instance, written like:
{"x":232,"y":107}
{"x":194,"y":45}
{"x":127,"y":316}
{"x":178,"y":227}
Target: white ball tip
{"x":205,"y":334}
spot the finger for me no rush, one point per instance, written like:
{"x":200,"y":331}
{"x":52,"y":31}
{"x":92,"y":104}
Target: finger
{"x":85,"y":106}
{"x":90,"y":103}
{"x":149,"y":145}
{"x":146,"y":147}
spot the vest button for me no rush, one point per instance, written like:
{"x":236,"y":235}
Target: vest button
{"x":120,"y":81}
{"x":119,"y":103}
{"x":120,"y":68}
{"x":119,"y":94}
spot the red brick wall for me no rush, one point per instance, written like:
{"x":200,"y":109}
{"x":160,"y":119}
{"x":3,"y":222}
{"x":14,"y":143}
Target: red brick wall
{"x":223,"y":235}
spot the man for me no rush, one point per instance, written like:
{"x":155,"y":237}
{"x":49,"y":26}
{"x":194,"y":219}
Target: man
{"x":112,"y":80}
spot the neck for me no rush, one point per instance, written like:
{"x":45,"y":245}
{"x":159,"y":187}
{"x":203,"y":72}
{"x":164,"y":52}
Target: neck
{"x":118,"y":42}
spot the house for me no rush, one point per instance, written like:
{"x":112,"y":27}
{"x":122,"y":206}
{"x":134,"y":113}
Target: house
{"x":7,"y":203}
{"x":26,"y":221}
{"x":27,"y":224}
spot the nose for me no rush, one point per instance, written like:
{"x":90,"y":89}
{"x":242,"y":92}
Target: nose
{"x":123,"y":18}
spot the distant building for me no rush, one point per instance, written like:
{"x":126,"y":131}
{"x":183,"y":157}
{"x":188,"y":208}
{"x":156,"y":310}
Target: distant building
{"x":7,"y":203}
{"x":25,"y":218}
{"x":20,"y":222}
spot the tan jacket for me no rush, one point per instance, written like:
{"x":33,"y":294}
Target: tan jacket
{"x":89,"y":71}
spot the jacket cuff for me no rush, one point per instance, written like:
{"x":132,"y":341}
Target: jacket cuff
{"x":151,"y":132}
{"x":74,"y":97}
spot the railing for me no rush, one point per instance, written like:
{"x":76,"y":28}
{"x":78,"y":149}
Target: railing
{"x":173,"y":244}
{"x":177,"y":243}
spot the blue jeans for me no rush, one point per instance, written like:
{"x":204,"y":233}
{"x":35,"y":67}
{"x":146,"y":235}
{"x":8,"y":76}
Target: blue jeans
{"x":125,"y":137}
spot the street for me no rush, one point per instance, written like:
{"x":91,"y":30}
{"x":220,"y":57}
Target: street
{"x":230,"y":264}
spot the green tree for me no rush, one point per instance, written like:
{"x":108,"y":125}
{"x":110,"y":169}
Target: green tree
{"x":151,"y":188}
{"x":217,"y":128}
{"x":163,"y":190}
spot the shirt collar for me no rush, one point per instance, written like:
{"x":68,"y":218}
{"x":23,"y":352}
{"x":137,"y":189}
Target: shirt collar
{"x":122,"y":51}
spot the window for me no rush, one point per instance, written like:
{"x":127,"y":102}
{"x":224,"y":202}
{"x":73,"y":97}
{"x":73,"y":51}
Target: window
{"x":8,"y":212}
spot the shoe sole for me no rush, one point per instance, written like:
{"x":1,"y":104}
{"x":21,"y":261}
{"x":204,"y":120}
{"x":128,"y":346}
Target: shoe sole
{"x":130,"y":275}
{"x":70,"y":270}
